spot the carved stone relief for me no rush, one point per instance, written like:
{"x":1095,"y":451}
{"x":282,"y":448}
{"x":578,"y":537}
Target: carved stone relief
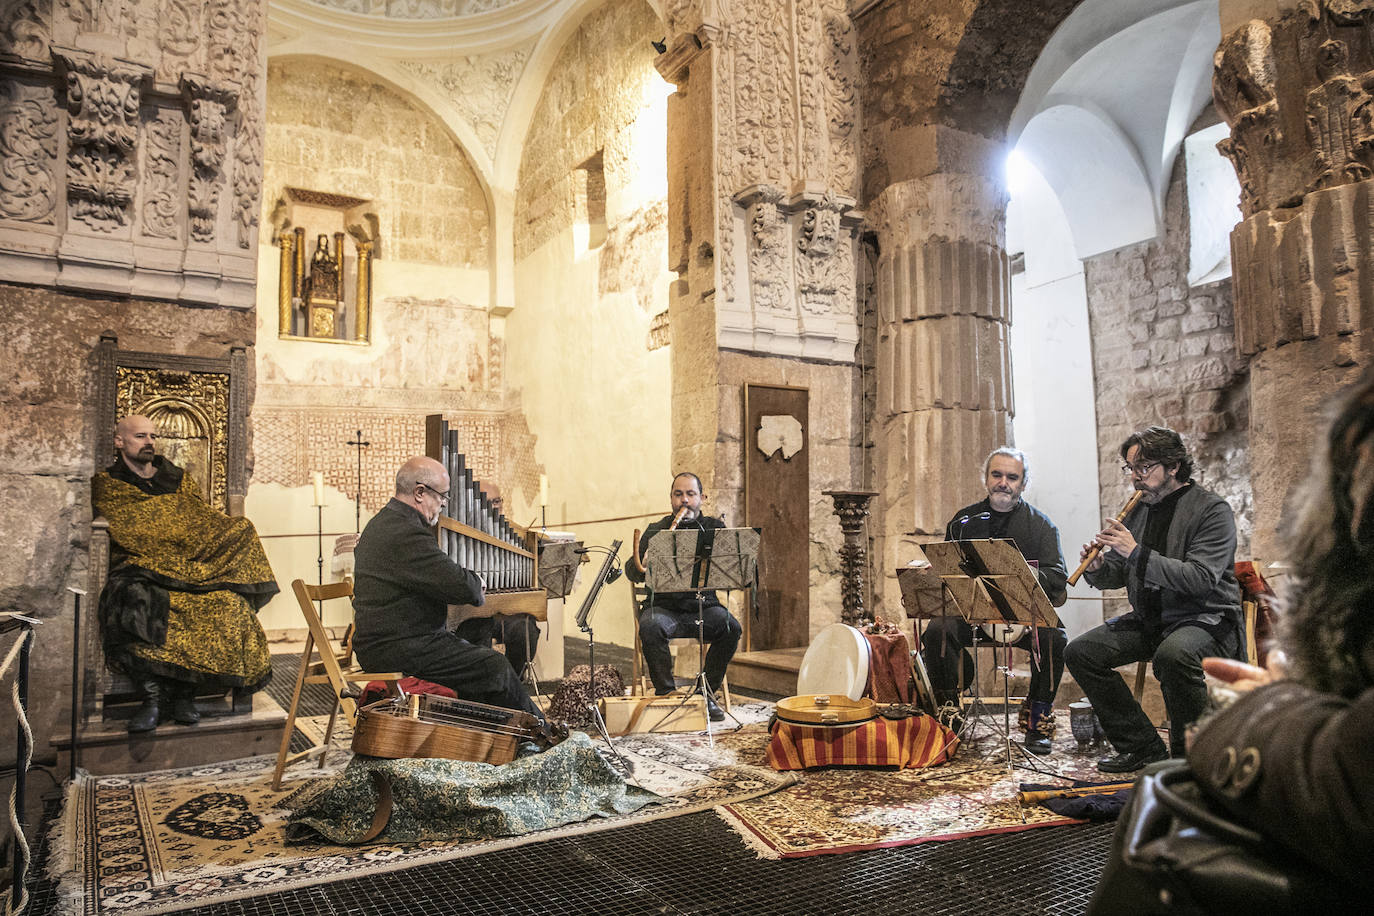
{"x":1326,"y":45}
{"x":768,"y":254}
{"x":25,"y":28}
{"x":417,"y":9}
{"x":479,"y":87}
{"x":181,"y":25}
{"x":102,"y":97}
{"x":98,"y":15}
{"x":162,"y":156}
{"x":28,"y":153}
{"x":92,"y":148}
{"x":207,"y":106}
{"x":785,"y":119}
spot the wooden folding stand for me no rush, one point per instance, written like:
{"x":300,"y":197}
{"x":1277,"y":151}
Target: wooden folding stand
{"x":326,"y":667}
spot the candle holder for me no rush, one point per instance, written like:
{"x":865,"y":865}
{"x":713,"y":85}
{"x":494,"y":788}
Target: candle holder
{"x":852,"y":508}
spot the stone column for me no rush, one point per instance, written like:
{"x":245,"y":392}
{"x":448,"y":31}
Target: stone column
{"x":1295,"y":91}
{"x":762,"y":225}
{"x":943,"y":366}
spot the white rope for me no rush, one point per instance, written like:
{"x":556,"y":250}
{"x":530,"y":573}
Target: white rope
{"x":15,"y":826}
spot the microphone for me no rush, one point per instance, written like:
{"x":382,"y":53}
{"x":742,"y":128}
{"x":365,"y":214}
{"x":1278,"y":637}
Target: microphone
{"x":582,"y":550}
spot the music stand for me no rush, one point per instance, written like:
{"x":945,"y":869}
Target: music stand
{"x":608,"y":573}
{"x":559,"y":557}
{"x":697,"y":561}
{"x":981,"y":582}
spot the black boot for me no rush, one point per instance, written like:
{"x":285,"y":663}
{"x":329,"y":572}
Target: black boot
{"x":1040,"y":728}
{"x":145,"y":717}
{"x":183,"y":697}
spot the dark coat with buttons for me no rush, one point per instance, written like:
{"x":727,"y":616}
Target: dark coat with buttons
{"x":1297,"y":765}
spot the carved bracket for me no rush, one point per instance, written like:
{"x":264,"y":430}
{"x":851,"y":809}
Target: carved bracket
{"x":102,"y":96}
{"x":208,"y":105}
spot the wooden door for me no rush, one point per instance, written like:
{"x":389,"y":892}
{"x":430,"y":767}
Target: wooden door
{"x":777,"y":499}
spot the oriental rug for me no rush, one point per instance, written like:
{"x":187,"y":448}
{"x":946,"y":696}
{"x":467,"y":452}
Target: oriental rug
{"x":838,"y":810}
{"x":158,"y":842}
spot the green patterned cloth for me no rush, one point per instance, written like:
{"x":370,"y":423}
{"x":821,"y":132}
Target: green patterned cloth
{"x":445,"y":800}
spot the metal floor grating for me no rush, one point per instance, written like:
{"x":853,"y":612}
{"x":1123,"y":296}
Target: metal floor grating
{"x":695,"y":864}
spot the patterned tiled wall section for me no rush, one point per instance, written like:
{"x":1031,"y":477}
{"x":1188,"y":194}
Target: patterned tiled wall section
{"x":290,"y":443}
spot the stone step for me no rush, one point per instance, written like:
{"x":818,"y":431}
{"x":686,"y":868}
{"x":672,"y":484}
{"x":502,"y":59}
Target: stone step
{"x":767,"y":670}
{"x":105,"y":747}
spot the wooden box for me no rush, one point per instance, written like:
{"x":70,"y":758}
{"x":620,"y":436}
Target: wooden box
{"x":625,"y":715}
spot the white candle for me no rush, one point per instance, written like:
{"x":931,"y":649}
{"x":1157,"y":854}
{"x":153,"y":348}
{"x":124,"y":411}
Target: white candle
{"x":543,"y":489}
{"x":318,"y":477}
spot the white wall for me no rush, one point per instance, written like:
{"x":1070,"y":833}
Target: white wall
{"x":1051,"y":349}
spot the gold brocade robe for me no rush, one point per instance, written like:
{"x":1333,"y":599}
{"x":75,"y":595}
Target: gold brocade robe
{"x":216,"y":576}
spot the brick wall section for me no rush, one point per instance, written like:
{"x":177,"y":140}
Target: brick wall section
{"x":1164,"y":353}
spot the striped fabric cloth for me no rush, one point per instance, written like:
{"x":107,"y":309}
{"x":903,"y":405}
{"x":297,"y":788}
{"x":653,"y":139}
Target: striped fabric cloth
{"x":918,"y":741}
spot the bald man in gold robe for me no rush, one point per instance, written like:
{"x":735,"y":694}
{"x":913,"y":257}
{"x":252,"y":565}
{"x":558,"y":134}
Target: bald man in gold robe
{"x":178,"y":613}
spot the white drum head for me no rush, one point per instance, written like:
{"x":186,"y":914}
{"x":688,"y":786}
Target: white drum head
{"x":1004,"y":634}
{"x":836,"y":662}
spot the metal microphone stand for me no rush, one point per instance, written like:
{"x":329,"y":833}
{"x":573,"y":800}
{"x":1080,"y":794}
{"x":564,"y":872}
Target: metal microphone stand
{"x":606,"y":573}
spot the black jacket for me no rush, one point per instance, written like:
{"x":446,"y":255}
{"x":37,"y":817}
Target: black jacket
{"x":402,"y":582}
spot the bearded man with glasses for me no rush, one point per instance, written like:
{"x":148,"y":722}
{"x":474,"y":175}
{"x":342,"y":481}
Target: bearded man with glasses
{"x":1175,"y":555}
{"x":403,"y":585}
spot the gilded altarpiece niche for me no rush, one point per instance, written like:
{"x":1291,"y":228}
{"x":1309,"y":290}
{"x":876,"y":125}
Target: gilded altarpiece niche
{"x":324,"y":292}
{"x":786,"y":167}
{"x":131,"y":146}
{"x":191,"y":413}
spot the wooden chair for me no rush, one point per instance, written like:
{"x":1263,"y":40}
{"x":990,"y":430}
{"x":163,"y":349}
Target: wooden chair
{"x":322,"y":663}
{"x":641,"y":685}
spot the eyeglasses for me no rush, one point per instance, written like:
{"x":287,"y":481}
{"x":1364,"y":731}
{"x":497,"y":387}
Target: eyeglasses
{"x":443,"y":497}
{"x":1140,"y":470}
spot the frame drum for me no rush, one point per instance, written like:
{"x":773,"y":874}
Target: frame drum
{"x":1004,"y":633}
{"x":835,"y":663}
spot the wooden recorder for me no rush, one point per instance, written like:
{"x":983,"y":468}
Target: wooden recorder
{"x":1097,"y":548}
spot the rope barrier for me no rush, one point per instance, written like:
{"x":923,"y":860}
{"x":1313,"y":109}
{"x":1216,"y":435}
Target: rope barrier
{"x":18,"y":829}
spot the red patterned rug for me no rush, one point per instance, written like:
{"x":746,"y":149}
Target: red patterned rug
{"x":847,"y":810}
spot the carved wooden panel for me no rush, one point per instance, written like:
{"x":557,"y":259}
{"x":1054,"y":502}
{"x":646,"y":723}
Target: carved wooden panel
{"x":777,"y":487}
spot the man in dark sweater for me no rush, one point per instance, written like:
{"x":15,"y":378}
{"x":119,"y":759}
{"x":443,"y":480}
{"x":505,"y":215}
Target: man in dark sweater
{"x":1004,"y":514}
{"x":1175,"y":555}
{"x":403,"y":585}
{"x":672,"y":615}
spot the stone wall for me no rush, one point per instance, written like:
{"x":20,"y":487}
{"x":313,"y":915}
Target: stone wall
{"x":579,"y":350}
{"x":434,"y":347}
{"x":1164,"y":353}
{"x":600,"y":85}
{"x":344,"y":132}
{"x":833,"y":438}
